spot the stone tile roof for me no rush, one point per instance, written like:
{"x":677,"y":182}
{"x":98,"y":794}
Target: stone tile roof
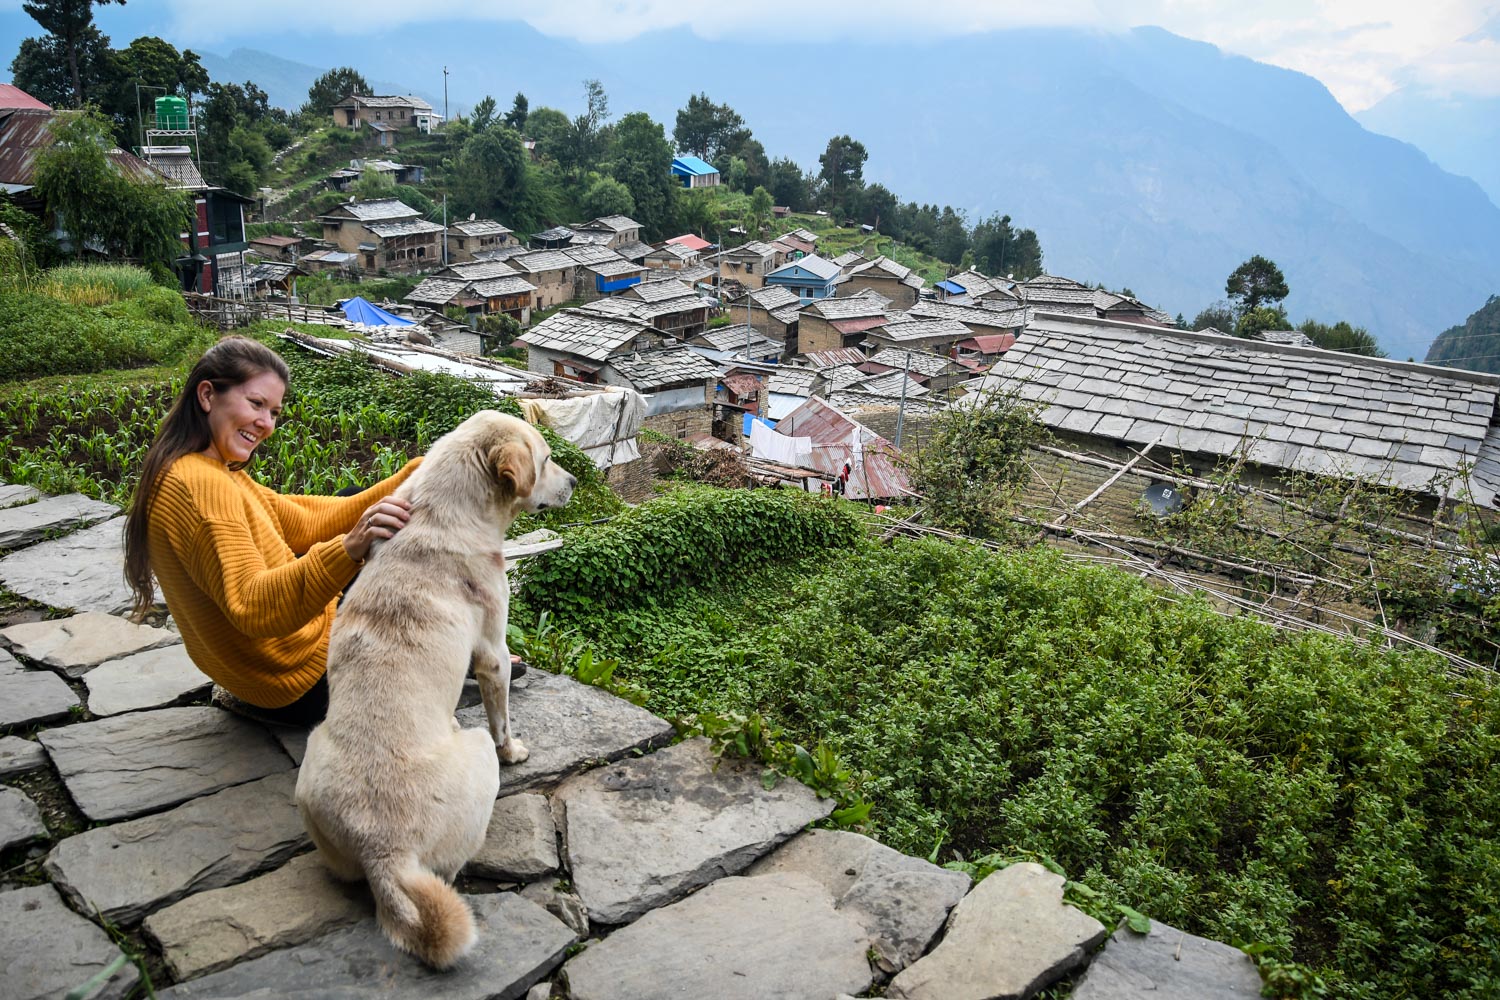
{"x":889,"y":268}
{"x":437,"y":291}
{"x":792,"y":381}
{"x":924,"y":330}
{"x":271,"y":270}
{"x":694,"y":273}
{"x":842,"y":376}
{"x":506,"y":284}
{"x":889,"y":384}
{"x":555,"y":233}
{"x":656,"y":369}
{"x":503,"y":253}
{"x":662,"y":291}
{"x":804,"y":234}
{"x":379,"y":210}
{"x":732,"y":338}
{"x":787,"y":314}
{"x":850,"y":258}
{"x":590,"y":253}
{"x":1404,"y":425}
{"x":612,"y":268}
{"x":853,"y":307}
{"x":853,"y":400}
{"x":674,"y":251}
{"x":480,"y":227}
{"x":921,"y":362}
{"x":537,"y":261}
{"x":403,"y":227}
{"x":614,"y":223}
{"x":835,"y":357}
{"x":774,"y":297}
{"x":584,"y":334}
{"x":476,"y":269}
{"x":972,"y":316}
{"x":634,"y":250}
{"x":395,"y":101}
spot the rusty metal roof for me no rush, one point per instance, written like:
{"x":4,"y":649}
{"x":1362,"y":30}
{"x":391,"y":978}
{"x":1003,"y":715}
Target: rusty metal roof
{"x":838,"y":438}
{"x":24,"y":134}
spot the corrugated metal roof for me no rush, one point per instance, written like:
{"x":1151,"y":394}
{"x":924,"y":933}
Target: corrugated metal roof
{"x":996,"y":343}
{"x":690,"y":240}
{"x":838,"y":438}
{"x":692,"y":166}
{"x":24,"y":134}
{"x":827,"y":270}
{"x":12,"y":96}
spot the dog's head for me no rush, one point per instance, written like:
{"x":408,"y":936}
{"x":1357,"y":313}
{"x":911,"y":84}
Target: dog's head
{"x":523,"y":468}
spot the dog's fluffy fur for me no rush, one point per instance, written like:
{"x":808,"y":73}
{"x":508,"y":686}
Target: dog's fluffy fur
{"x":391,"y":789}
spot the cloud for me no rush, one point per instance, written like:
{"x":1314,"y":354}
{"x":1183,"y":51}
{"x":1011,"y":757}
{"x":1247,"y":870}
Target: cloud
{"x":1360,"y":49}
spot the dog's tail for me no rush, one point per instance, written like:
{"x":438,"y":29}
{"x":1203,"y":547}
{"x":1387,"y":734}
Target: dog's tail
{"x":421,"y":913}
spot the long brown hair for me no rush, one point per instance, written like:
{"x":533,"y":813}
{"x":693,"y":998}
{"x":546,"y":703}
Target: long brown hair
{"x":232,"y":361}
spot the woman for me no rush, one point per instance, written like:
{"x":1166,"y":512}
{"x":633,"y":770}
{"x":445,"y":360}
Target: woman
{"x":251,"y":577}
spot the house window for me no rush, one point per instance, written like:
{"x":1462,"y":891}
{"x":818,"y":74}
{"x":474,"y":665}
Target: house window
{"x":370,"y":261}
{"x":421,"y":251}
{"x":749,"y":267}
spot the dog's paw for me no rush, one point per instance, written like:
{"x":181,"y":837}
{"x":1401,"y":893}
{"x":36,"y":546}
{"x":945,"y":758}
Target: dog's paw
{"x":513,"y":752}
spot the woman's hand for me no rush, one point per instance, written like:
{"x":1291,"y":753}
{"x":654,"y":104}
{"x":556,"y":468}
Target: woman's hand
{"x":381,"y":520}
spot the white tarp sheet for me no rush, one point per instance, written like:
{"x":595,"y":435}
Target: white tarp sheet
{"x":766,"y":444}
{"x":604,"y":424}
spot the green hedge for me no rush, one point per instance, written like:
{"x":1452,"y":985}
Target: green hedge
{"x":44,"y":336}
{"x":693,"y":536}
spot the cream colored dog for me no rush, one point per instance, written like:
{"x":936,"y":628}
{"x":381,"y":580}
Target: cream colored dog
{"x":391,"y":789}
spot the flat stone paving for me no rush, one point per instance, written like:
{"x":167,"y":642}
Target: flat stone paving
{"x":202,"y":846}
{"x":35,"y":521}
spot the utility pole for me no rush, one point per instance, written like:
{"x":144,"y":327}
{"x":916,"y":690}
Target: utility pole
{"x":901,"y":413}
{"x":445,"y":95}
{"x":445,"y":214}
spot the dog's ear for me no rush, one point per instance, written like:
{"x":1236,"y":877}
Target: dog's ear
{"x":514,"y":468}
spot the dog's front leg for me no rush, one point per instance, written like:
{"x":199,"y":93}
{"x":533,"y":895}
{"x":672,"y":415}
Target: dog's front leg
{"x":492,"y":671}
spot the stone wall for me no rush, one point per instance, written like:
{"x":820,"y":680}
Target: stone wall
{"x":631,"y":481}
{"x":682,"y":423}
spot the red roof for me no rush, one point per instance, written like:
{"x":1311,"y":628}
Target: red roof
{"x":278,"y":241}
{"x":858,"y":324}
{"x":691,"y":242}
{"x":12,"y":96}
{"x":992,"y":343}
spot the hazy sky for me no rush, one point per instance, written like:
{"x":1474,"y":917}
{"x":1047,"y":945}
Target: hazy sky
{"x":1360,"y":49}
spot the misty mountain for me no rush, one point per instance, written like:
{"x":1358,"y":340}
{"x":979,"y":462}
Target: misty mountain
{"x":286,"y":82}
{"x":1475,"y":344}
{"x":1461,"y":134}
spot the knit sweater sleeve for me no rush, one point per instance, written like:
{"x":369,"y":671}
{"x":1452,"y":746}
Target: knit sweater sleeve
{"x":259,"y":600}
{"x":307,"y":520}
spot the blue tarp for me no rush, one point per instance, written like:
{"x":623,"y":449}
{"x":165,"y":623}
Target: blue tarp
{"x":360,"y":310}
{"x":617,"y":285}
{"x":747,"y":423}
{"x":952,"y":288}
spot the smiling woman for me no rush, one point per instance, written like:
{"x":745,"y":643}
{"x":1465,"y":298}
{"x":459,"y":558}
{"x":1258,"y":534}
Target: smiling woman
{"x":250,"y":576}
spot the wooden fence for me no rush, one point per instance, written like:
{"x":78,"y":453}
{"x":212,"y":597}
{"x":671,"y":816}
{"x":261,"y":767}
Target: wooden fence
{"x":227,"y":314}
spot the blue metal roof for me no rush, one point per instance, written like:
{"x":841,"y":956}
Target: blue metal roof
{"x":952,"y":287}
{"x":686,"y":164}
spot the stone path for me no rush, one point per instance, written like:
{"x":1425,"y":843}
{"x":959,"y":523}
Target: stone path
{"x":617,"y":866}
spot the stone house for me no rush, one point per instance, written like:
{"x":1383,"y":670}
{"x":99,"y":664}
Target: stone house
{"x":933,"y":335}
{"x":552,"y":239}
{"x":747,"y":264}
{"x":668,"y":306}
{"x":617,"y":230}
{"x":277,"y":248}
{"x":357,"y":110}
{"x":969,"y":288}
{"x":387,"y":234}
{"x":811,"y":277}
{"x":936,"y":373}
{"x":743,"y":341}
{"x":895,"y":281}
{"x":672,"y":256}
{"x":995,"y":317}
{"x":834,"y":323}
{"x":471,"y":236}
{"x":678,"y":385}
{"x":552,"y":272}
{"x":577,"y":344}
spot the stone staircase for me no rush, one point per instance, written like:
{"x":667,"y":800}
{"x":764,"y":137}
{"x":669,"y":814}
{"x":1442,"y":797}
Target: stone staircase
{"x":617,"y":865}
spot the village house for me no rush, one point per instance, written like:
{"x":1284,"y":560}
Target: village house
{"x":552,"y":239}
{"x":672,"y":256}
{"x":1207,"y":398}
{"x":991,"y":319}
{"x":834,"y":323}
{"x":849,"y":260}
{"x":937,"y":373}
{"x":747,"y":264}
{"x":668,"y":306}
{"x":602,"y":272}
{"x":935,"y":335}
{"x":971,"y":288}
{"x":330,"y":260}
{"x":634,"y":251}
{"x":552,"y":272}
{"x":277,"y":248}
{"x":1127,"y":309}
{"x":811,"y":277}
{"x":693,"y":275}
{"x":392,"y":111}
{"x":796,"y":246}
{"x":742,"y":342}
{"x":576,"y":344}
{"x":896,"y":282}
{"x":839,"y":439}
{"x":678,"y":385}
{"x":272,"y":279}
{"x":691,"y":241}
{"x":387,"y":234}
{"x":615,"y":230}
{"x":788,"y":387}
{"x":694,"y":173}
{"x":979,"y":353}
{"x":470,"y":236}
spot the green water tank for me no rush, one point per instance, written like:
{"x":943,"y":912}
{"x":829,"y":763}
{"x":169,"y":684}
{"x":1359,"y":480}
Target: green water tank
{"x":171,"y":113}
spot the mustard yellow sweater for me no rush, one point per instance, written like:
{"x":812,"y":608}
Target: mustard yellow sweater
{"x":224,"y":548}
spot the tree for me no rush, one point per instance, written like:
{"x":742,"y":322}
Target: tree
{"x":1341,"y":337}
{"x":484,"y":113}
{"x":1254,"y":283}
{"x":99,"y":205}
{"x":489,"y":176}
{"x":759,"y":214}
{"x":789,"y":186}
{"x":1218,"y":316}
{"x":516,"y":117}
{"x":843,"y":166}
{"x":586,"y":140}
{"x":607,"y":196}
{"x":331,"y":88}
{"x":71,"y":24}
{"x":705,"y":128}
{"x":643,"y":163}
{"x":1258,"y":320}
{"x":231,"y":126}
{"x":549,"y":128}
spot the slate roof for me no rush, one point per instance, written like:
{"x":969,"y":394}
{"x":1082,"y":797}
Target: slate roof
{"x":271,"y":271}
{"x":850,"y":258}
{"x":506,"y":284}
{"x":380,"y":210}
{"x":775,"y":296}
{"x":889,"y":268}
{"x":475,"y":269}
{"x":694,"y":273}
{"x":502,"y":253}
{"x":277,"y":241}
{"x":415,"y":103}
{"x":732,"y":338}
{"x":583,"y":334}
{"x":614,"y":223}
{"x":835,"y":357}
{"x":804,"y":234}
{"x":663,"y":291}
{"x":634,"y":250}
{"x":555,"y":233}
{"x":853,"y":307}
{"x":854,"y":399}
{"x":1401,"y":424}
{"x":649,"y":370}
{"x":613,"y":268}
{"x":792,"y":381}
{"x":589,"y":254}
{"x":840,"y":376}
{"x":979,"y":285}
{"x":674,"y":250}
{"x":921,"y":362}
{"x":972,"y":316}
{"x":403,"y":227}
{"x":755,"y":248}
{"x":437,"y":291}
{"x":538,"y":261}
{"x":924,"y":330}
{"x":480,"y":227}
{"x":889,"y":384}
{"x":813,"y":264}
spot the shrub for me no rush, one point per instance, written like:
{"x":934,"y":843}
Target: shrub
{"x":44,"y":336}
